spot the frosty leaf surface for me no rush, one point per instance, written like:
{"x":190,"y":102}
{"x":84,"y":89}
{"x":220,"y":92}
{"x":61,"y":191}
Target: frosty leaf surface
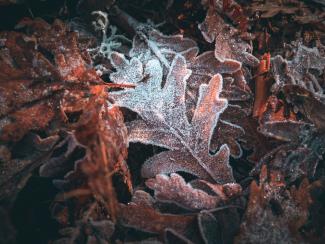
{"x":204,"y":67}
{"x":304,"y":69}
{"x":142,"y":215}
{"x":228,"y":44}
{"x":234,"y":89}
{"x":156,"y":52}
{"x":174,"y":189}
{"x":126,"y":71}
{"x":178,"y":160}
{"x":150,"y":43}
{"x":147,"y":133}
{"x":261,"y":221}
{"x":163,"y":108}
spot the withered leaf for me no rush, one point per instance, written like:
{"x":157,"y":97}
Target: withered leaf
{"x":308,"y":103}
{"x":174,"y":189}
{"x":141,"y":215}
{"x":272,"y":8}
{"x":28,"y":62}
{"x":234,"y":89}
{"x":163,"y":108}
{"x":295,"y":159}
{"x":228,"y":44}
{"x":304,"y":69}
{"x":274,"y":214}
{"x":154,"y":49}
{"x":17,"y":168}
{"x":68,"y":149}
{"x":287,"y":130}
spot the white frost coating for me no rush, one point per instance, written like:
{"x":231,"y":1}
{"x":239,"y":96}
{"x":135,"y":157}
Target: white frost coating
{"x":174,"y":189}
{"x":239,"y":130}
{"x":127,"y":72}
{"x":157,"y":65}
{"x":228,"y":44}
{"x":297,"y":70}
{"x":140,"y":131}
{"x":151,"y":44}
{"x":163,"y":108}
{"x":108,"y":44}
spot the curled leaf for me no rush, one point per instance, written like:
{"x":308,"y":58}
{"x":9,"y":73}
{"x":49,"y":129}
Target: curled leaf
{"x":174,"y":189}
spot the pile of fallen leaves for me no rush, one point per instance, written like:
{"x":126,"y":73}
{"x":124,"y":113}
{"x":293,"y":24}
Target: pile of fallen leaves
{"x":162,"y":122}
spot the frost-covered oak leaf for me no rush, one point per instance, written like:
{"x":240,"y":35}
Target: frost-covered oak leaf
{"x":174,"y":189}
{"x":304,"y":70}
{"x":165,"y":123}
{"x":149,"y":43}
{"x":204,"y":67}
{"x":228,"y":44}
{"x":141,"y":214}
{"x":127,"y":72}
{"x":235,"y":89}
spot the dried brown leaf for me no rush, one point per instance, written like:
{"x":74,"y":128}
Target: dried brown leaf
{"x":274,"y":214}
{"x":144,"y":217}
{"x":228,"y":43}
{"x":174,"y":189}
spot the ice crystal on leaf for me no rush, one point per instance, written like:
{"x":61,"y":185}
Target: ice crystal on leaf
{"x":141,"y":214}
{"x":235,"y":89}
{"x":228,"y":43}
{"x":280,"y":224}
{"x":109,"y":43}
{"x":174,"y":189}
{"x":304,"y":68}
{"x":150,"y":43}
{"x":152,"y":48}
{"x":165,"y":123}
{"x":127,"y":71}
{"x":203,"y":68}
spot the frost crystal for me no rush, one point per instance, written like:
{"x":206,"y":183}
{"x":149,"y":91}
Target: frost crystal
{"x":302,"y":70}
{"x":172,"y":116}
{"x":109,"y":43}
{"x":228,"y":43}
{"x":174,"y":189}
{"x":165,"y":123}
{"x":126,"y":71}
{"x":150,"y":43}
